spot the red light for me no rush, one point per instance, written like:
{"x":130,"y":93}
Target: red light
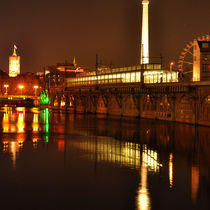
{"x":73,"y":70}
{"x":61,"y":144}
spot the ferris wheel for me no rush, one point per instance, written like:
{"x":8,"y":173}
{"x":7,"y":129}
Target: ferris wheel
{"x":185,"y":61}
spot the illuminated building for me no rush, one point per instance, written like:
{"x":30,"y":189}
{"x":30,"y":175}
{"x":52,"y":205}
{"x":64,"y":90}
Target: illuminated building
{"x":145,"y":32}
{"x":201,"y":60}
{"x":142,"y":73}
{"x":55,"y":75}
{"x":149,"y":73}
{"x":14,"y":64}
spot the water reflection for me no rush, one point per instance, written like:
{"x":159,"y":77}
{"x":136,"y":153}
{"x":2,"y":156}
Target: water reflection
{"x":45,"y":120}
{"x":143,"y":198}
{"x":21,"y":122}
{"x":170,"y":140}
{"x":35,"y":124}
{"x":195,"y":182}
{"x":14,"y":122}
{"x":13,"y":148}
{"x":170,"y":170}
{"x":122,"y":153}
{"x":132,"y":155}
{"x":35,"y":143}
{"x":158,"y":159}
{"x":5,"y":122}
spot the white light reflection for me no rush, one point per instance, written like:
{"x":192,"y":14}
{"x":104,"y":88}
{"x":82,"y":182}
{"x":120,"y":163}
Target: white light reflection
{"x":5,"y":123}
{"x":143,"y":198}
{"x":149,"y":162}
{"x":122,"y":153}
{"x":170,"y":170}
{"x":13,"y":149}
{"x":20,"y":123}
{"x":35,"y":124}
{"x":150,"y":159}
{"x":129,"y":154}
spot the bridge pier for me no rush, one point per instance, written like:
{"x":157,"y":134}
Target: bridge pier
{"x":188,"y":103}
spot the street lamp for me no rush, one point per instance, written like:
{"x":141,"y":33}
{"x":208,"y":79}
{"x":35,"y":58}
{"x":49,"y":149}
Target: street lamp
{"x":35,"y":88}
{"x":21,"y":88}
{"x":171,"y":68}
{"x":6,"y":86}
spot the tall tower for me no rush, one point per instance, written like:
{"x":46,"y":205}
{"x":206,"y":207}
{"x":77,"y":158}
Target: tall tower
{"x":145,"y":32}
{"x":14,"y":64}
{"x":196,"y":61}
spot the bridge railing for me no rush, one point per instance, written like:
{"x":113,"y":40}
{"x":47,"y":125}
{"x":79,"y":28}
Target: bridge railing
{"x":18,"y":97}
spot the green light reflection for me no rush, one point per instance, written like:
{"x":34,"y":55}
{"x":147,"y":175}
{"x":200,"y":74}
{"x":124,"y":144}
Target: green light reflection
{"x":45,"y":120}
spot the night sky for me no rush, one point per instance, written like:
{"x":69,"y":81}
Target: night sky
{"x":50,"y":31}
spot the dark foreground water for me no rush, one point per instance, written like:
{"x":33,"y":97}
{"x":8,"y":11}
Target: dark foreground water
{"x":52,"y":160}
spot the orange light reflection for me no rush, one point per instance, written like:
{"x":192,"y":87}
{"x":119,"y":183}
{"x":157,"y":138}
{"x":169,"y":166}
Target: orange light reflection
{"x":170,"y":170}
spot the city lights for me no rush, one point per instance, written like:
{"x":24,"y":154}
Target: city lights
{"x":14,"y":64}
{"x":44,"y":98}
{"x":35,"y":89}
{"x":126,"y":126}
{"x":145,"y":33}
{"x":21,"y":89}
{"x":6,"y":87}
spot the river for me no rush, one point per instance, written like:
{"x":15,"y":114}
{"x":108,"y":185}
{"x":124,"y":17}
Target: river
{"x":54,"y":160}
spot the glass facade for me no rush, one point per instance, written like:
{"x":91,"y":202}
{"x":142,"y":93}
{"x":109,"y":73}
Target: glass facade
{"x":160,"y":76}
{"x":152,"y":73}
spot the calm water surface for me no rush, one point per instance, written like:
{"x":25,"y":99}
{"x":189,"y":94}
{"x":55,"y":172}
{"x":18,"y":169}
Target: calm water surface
{"x":52,"y":160}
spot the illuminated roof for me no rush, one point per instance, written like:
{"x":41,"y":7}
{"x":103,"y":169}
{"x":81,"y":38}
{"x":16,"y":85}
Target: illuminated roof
{"x":140,"y":67}
{"x":70,"y":69}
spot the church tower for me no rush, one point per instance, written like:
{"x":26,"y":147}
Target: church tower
{"x":145,"y":32}
{"x":14,"y":64}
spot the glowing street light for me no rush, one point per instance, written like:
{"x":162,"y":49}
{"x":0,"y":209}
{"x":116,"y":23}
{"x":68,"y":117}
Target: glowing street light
{"x":171,"y":68}
{"x":21,"y":88}
{"x":35,"y":88}
{"x":6,"y":86}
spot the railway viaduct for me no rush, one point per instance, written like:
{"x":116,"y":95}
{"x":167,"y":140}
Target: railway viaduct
{"x":180,"y":102}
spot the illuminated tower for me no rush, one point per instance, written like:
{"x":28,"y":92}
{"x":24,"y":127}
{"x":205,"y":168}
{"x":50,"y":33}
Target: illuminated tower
{"x":145,"y":32}
{"x":14,"y":64}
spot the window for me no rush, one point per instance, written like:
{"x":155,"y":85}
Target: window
{"x":205,"y":45}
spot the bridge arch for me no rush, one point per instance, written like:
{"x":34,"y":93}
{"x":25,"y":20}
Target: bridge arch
{"x":114,"y":106}
{"x":101,"y":107}
{"x":72,"y":101}
{"x":56,"y":101}
{"x":148,"y":104}
{"x":64,"y":101}
{"x":164,"y":107}
{"x":79,"y":104}
{"x":185,"y":111}
{"x":205,"y":106}
{"x":129,"y":107}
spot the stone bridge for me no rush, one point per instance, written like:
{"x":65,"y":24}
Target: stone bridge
{"x":181,"y":102}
